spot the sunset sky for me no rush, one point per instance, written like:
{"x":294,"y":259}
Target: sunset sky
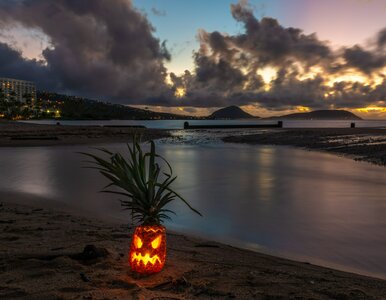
{"x":270,"y":57}
{"x":341,"y":22}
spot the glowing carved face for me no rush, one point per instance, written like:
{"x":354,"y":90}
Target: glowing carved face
{"x":148,"y":249}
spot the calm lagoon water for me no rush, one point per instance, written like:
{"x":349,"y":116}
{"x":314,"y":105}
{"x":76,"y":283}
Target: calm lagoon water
{"x":179,"y":124}
{"x":309,"y":206}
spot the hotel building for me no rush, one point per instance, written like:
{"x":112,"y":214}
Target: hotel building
{"x":20,"y":89}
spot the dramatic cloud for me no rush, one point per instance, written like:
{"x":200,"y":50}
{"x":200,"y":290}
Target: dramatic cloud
{"x":365,"y":61}
{"x":105,"y":48}
{"x":99,"y":48}
{"x":303,"y":70}
{"x":13,"y":65}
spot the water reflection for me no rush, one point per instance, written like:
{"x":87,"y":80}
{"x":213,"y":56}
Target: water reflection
{"x":29,"y":172}
{"x":292,"y":202}
{"x":179,"y":124}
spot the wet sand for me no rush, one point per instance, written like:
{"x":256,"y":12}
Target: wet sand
{"x":17,"y":134}
{"x":41,"y":244}
{"x":41,"y":258}
{"x":365,"y":144}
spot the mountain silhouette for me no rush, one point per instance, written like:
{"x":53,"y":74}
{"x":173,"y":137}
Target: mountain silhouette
{"x":231,"y":112}
{"x":321,"y":115}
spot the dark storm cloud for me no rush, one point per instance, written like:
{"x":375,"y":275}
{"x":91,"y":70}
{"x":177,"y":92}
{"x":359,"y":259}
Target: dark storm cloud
{"x":381,"y":38}
{"x":271,"y":43}
{"x":105,"y":48}
{"x":13,"y":65}
{"x":98,"y":48}
{"x":363,"y":60}
{"x":227,"y":68}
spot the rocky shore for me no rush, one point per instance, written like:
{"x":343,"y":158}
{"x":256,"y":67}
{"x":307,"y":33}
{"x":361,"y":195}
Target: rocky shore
{"x":366,"y":144}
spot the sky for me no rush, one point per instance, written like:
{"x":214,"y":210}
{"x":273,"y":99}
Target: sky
{"x":341,"y":22}
{"x":191,"y":57}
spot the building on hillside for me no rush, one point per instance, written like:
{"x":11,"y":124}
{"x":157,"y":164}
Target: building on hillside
{"x":21,"y":90}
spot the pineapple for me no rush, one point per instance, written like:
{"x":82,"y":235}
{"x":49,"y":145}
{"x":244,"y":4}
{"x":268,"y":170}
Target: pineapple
{"x":138,"y":179}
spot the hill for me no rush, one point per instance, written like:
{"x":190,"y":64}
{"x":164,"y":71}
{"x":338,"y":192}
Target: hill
{"x":321,"y":115}
{"x":78,"y":108}
{"x":231,"y":112}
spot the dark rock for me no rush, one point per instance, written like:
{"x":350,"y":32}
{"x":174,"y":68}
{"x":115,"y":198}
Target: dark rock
{"x":7,"y":221}
{"x":84,"y":277}
{"x":177,"y":285}
{"x":120,"y":284}
{"x":91,"y":253}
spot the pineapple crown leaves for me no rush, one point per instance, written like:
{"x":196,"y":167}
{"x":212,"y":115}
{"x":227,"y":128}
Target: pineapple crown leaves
{"x":138,"y":178}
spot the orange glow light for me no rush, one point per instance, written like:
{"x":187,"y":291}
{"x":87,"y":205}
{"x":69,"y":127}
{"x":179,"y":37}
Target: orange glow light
{"x":180,"y":92}
{"x":303,"y":108}
{"x":148,"y":249}
{"x":370,"y":109}
{"x":138,"y":258}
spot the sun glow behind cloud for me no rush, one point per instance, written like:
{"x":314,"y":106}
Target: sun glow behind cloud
{"x":263,"y":63}
{"x":372,"y":109}
{"x":354,"y":76}
{"x":268,"y":74}
{"x":371,"y":112}
{"x":180,"y":92}
{"x":282,"y":68}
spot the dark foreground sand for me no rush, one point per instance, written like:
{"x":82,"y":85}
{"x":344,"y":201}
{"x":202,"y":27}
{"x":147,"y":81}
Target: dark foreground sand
{"x":41,"y":258}
{"x":41,"y":247}
{"x":15,"y":134}
{"x":367,"y":144}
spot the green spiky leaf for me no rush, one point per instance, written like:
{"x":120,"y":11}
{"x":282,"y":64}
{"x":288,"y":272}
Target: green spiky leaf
{"x":137,"y":177}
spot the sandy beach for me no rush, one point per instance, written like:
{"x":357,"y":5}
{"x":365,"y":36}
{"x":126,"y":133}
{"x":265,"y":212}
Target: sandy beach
{"x":17,"y":134}
{"x":42,"y":257}
{"x":254,"y":131}
{"x":42,"y":253}
{"x":364,"y":144}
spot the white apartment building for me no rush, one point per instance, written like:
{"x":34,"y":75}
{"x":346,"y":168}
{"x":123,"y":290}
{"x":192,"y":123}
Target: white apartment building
{"x":18,"y":89}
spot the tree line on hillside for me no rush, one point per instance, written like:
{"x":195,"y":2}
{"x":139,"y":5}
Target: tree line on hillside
{"x":12,"y":108}
{"x":53,"y":105}
{"x":72,"y":107}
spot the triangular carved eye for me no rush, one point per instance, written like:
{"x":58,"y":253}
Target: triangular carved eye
{"x":137,"y":242}
{"x":156,"y":242}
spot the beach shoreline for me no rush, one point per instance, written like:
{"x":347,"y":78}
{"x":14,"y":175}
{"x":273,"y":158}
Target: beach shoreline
{"x":18,"y":134}
{"x":361,"y":144}
{"x":40,"y":243}
{"x":41,"y":238}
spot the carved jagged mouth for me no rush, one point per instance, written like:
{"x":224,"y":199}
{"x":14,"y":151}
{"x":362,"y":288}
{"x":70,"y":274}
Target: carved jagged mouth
{"x":151,"y":229}
{"x":145,"y":259}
